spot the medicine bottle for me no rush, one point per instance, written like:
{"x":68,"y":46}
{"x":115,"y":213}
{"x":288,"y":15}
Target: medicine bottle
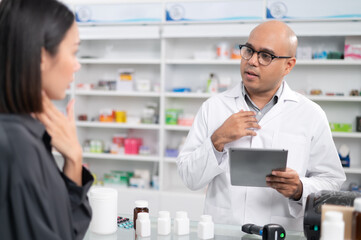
{"x":356,"y":220}
{"x":140,"y":206}
{"x":206,"y":227}
{"x":143,"y":223}
{"x":163,"y":223}
{"x":181,"y":223}
{"x":333,"y":226}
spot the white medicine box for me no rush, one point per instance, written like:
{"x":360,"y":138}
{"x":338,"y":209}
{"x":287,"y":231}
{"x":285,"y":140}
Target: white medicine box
{"x":125,"y":80}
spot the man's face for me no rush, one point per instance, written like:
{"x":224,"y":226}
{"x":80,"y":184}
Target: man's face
{"x":259,"y":79}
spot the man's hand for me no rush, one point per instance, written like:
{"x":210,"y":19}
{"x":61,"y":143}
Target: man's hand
{"x":287,"y":183}
{"x":236,"y":126}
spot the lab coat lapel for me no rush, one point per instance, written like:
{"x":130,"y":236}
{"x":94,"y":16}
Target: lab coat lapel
{"x":232,"y":99}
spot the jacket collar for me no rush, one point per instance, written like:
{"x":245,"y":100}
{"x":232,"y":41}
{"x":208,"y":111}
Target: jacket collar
{"x":287,"y":94}
{"x":35,"y":127}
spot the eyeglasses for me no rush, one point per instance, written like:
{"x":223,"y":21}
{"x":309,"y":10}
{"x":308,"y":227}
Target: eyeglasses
{"x":264,"y":58}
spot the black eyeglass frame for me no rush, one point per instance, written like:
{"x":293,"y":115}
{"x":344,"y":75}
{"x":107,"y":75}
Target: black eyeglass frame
{"x":254,"y":51}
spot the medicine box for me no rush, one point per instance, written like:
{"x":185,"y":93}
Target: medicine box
{"x":352,"y":48}
{"x":125,"y":80}
{"x":341,"y":127}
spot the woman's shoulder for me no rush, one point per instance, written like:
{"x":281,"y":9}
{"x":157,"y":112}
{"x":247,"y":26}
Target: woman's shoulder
{"x":15,"y":136}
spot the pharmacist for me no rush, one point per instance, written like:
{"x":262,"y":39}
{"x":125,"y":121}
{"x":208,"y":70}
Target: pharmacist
{"x":261,"y":112}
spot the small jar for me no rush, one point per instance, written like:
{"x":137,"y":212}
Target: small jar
{"x":333,"y":226}
{"x":140,"y":206}
{"x":164,"y":223}
{"x":181,"y":223}
{"x":206,"y":227}
{"x":143,"y":223}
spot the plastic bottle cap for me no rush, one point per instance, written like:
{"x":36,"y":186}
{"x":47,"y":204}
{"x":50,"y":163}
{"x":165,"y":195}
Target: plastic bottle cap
{"x":357,"y":204}
{"x":181,"y":214}
{"x":333,"y":216}
{"x":141,"y":204}
{"x":206,"y":218}
{"x":143,"y":215}
{"x":164,"y":214}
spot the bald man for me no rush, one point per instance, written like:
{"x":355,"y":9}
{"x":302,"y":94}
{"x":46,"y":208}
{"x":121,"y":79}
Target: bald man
{"x":261,"y":112}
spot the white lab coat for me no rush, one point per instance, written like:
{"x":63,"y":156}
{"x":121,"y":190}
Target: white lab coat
{"x":295,"y":123}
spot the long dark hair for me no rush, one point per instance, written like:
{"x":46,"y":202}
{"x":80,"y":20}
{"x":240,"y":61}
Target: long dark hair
{"x":27,"y":26}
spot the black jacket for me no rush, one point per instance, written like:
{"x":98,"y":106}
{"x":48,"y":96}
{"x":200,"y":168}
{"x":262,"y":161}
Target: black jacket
{"x":37,"y":201}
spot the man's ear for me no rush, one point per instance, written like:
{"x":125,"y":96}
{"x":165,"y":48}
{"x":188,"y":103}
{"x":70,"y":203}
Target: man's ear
{"x":291,"y":62}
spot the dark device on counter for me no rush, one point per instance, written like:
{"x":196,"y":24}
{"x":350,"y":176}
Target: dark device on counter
{"x":268,"y":232}
{"x":250,"y":166}
{"x":312,"y":217}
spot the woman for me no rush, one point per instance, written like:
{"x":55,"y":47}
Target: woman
{"x":38,"y":44}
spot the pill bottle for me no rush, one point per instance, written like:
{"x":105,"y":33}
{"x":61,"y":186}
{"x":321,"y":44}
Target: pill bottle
{"x":356,"y":220}
{"x":163,"y":223}
{"x":140,"y":206}
{"x":206,"y":227}
{"x":333,"y":226}
{"x":143,"y":223}
{"x":181,"y":223}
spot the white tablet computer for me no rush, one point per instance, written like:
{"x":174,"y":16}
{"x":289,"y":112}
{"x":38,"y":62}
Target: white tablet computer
{"x":250,"y":166}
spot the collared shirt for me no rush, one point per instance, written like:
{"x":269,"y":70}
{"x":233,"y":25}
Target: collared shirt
{"x":253,"y":107}
{"x":37,"y":200}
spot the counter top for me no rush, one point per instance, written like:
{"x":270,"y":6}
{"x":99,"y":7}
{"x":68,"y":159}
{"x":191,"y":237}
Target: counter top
{"x":221,"y":232}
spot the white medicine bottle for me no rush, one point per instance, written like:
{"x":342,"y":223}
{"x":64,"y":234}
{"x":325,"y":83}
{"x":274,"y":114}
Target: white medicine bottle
{"x":181,"y":223}
{"x":333,"y":226}
{"x":164,"y":223}
{"x":206,"y":227}
{"x":143,"y":224}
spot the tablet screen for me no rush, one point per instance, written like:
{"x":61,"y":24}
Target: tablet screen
{"x":250,"y":166}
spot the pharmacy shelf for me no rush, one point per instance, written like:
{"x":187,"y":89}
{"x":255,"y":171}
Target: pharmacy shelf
{"x":329,"y":62}
{"x":177,"y":128}
{"x":170,"y":159}
{"x":352,"y":170}
{"x":334,"y":98}
{"x":119,"y":32}
{"x":117,"y":125}
{"x":118,"y":61}
{"x":187,"y":95}
{"x":129,"y":190}
{"x":334,"y":134}
{"x":203,"y":61}
{"x":141,"y":158}
{"x":103,"y":93}
{"x":347,"y":134}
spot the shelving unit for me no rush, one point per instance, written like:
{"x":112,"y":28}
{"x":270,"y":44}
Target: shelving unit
{"x":121,"y":157}
{"x":117,"y":125}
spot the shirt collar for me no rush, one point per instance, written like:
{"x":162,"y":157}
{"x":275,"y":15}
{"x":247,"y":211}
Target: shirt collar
{"x":277,"y":94}
{"x":287,"y":93}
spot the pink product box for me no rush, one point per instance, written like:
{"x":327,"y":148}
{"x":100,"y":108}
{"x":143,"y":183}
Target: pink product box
{"x":185,"y":121}
{"x":353,"y":51}
{"x":132,"y":145}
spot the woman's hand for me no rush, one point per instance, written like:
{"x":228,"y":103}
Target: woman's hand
{"x":64,"y":139}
